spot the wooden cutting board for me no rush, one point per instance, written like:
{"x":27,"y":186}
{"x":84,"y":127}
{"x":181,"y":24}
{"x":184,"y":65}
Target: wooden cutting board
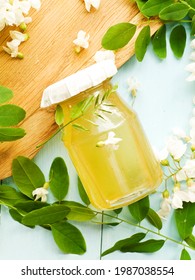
{"x":49,"y":57}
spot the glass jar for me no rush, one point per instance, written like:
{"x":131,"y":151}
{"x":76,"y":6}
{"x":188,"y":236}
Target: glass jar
{"x":109,"y":148}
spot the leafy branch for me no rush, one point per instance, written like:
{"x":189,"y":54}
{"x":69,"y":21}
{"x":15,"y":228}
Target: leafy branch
{"x":10,"y":115}
{"x":163,"y":12}
{"x":59,"y":214}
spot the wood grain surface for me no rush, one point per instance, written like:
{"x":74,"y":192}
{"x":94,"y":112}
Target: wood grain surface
{"x":49,"y":57}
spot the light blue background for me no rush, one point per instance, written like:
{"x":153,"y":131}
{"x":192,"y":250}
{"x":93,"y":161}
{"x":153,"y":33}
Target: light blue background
{"x":164,"y":101}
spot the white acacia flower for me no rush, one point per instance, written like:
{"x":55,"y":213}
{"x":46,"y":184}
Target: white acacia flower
{"x":189,"y":168}
{"x":192,"y":136}
{"x":110,"y":141}
{"x":40,"y":193}
{"x":179,"y":196}
{"x":93,"y":3}
{"x":36,"y":4}
{"x":180,"y":176}
{"x":82,"y":41}
{"x":191,"y":68}
{"x":133,"y":85}
{"x":180,"y":133}
{"x":19,"y":36}
{"x":176,"y":147}
{"x":12,"y":48}
{"x":104,"y":55}
{"x":161,"y":155}
{"x":191,"y":192}
{"x":165,"y":208}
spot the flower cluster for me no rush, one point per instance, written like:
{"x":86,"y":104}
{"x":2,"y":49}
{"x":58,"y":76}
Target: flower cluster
{"x":178,"y":158}
{"x":15,"y":13}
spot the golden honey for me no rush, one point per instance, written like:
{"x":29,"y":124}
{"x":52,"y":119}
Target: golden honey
{"x":109,"y":150}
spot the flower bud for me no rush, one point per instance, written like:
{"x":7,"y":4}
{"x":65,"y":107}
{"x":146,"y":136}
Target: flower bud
{"x":165,"y":194}
{"x":20,"y":55}
{"x":164,"y":162}
{"x":23,"y":26}
{"x":100,"y":144}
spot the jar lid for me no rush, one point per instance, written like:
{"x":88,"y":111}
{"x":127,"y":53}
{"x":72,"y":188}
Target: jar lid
{"x":78,"y":82}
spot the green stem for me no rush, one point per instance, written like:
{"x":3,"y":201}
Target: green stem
{"x":148,"y":230}
{"x":57,"y":131}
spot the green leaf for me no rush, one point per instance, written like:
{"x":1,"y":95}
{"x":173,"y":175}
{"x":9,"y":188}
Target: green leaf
{"x":27,"y":175}
{"x":140,"y":3}
{"x":78,"y":212}
{"x":118,"y":211}
{"x":118,"y":36}
{"x":29,"y":206}
{"x":193,"y":26}
{"x":149,"y":246}
{"x":174,"y":12}
{"x":178,"y":40}
{"x":11,"y":134}
{"x":153,"y":7}
{"x":11,"y":115}
{"x":9,"y":196}
{"x":80,"y":108}
{"x":185,"y":219}
{"x":59,"y":178}
{"x":139,"y":209}
{"x":154,"y":219}
{"x":190,"y":240}
{"x":59,"y":115}
{"x":46,"y":215}
{"x":185,"y":255}
{"x":134,"y":239}
{"x":80,"y":127}
{"x":159,"y":42}
{"x":5,"y":94}
{"x":82,"y":192}
{"x":142,"y":43}
{"x":191,"y":3}
{"x":68,"y":238}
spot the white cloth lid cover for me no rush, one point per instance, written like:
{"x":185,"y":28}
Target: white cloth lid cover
{"x":78,"y":82}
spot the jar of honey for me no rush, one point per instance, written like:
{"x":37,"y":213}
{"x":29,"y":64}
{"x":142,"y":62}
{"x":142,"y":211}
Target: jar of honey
{"x":104,"y":138}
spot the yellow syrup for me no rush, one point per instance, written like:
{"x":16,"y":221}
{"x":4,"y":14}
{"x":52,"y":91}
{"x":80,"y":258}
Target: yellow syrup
{"x":109,"y":149}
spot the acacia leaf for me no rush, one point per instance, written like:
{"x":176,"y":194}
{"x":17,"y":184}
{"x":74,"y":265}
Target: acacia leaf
{"x":190,"y":240}
{"x":30,"y":205}
{"x":185,"y":219}
{"x":142,"y":43}
{"x":9,"y":196}
{"x":153,"y":7}
{"x":5,"y":94}
{"x":68,"y":238}
{"x":174,"y":12}
{"x":82,"y":192}
{"x":80,"y":108}
{"x":46,"y":215}
{"x":27,"y":175}
{"x":139,"y":209}
{"x":11,"y":115}
{"x":8,"y":134}
{"x":78,"y":212}
{"x":159,"y":42}
{"x":149,"y":246}
{"x":59,"y":178}
{"x":59,"y":115}
{"x":117,"y":36}
{"x":134,"y":239}
{"x":185,"y":255}
{"x":154,"y":219}
{"x":178,"y":40}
